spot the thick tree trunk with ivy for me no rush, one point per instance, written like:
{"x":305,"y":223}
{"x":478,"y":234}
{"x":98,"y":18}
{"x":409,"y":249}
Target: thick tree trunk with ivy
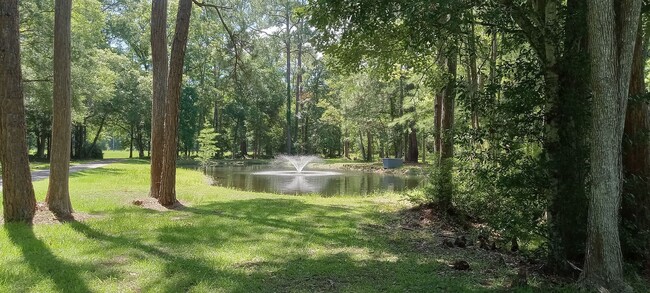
{"x":19,"y":202}
{"x":168,"y":187}
{"x":566,"y":144}
{"x":160,"y":74}
{"x":612,"y":34}
{"x":566,"y":117}
{"x":636,"y":164}
{"x":58,"y":194}
{"x":446,"y":160}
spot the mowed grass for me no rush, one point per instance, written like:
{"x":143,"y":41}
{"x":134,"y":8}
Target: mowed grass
{"x":229,"y":241}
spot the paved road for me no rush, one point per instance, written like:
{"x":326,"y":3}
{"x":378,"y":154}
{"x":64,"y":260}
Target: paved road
{"x":44,"y":174}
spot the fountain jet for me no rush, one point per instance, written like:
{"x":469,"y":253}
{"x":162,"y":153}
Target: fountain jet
{"x":298,"y":162}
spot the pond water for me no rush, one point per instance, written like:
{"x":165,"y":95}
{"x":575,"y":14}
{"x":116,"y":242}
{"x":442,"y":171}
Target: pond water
{"x":323,"y":182}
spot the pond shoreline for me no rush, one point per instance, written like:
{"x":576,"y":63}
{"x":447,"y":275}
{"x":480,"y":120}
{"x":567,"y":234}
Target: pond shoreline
{"x":408,"y":169}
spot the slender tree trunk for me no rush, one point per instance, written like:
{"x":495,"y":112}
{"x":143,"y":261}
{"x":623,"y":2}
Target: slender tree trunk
{"x":369,"y":157}
{"x":437,"y":125}
{"x":363,"y":150}
{"x":99,"y":132}
{"x":288,"y":75}
{"x":636,"y":163}
{"x":413,"y":152}
{"x":445,"y":163}
{"x":160,"y":75}
{"x":140,"y":142}
{"x":58,"y":194}
{"x":473,"y":75}
{"x":131,"y":142}
{"x":612,"y":34}
{"x":424,"y":149}
{"x":19,"y":202}
{"x":168,"y":187}
{"x":299,"y":86}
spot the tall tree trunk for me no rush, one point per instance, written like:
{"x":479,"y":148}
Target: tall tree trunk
{"x":299,"y":85}
{"x":612,"y":34}
{"x":445,"y":163}
{"x":413,"y":152}
{"x":288,"y":75}
{"x":168,"y":187}
{"x":160,"y":75}
{"x":567,"y":121}
{"x":131,"y":131}
{"x":369,"y":157}
{"x":99,"y":132}
{"x":636,"y":163}
{"x":19,"y":202}
{"x":473,"y":75}
{"x":58,"y":194}
{"x":139,"y":141}
{"x":363,"y":150}
{"x":437,"y":125}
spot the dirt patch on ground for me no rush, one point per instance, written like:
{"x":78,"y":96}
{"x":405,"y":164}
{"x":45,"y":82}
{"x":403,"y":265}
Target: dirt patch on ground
{"x":151,"y":203}
{"x":44,"y":216}
{"x":467,"y":247}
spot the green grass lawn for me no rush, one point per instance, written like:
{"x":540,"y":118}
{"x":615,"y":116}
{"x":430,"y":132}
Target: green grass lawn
{"x":231,"y":241}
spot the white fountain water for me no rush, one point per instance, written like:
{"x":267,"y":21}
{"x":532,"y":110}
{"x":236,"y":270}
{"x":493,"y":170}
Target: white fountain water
{"x":298,"y":162}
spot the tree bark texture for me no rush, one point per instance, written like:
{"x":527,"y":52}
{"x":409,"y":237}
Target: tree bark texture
{"x":160,"y":74}
{"x":612,"y":34}
{"x":58,"y":193}
{"x":636,"y":164}
{"x":18,"y":194}
{"x":445,"y":162}
{"x":168,"y":184}
{"x":567,"y":122}
{"x":288,"y":76}
{"x":413,"y":154}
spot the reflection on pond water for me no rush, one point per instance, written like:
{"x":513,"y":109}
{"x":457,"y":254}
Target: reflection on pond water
{"x":326,"y":183}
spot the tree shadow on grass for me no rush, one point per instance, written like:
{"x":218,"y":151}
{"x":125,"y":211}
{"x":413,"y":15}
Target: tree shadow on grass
{"x":38,"y":256}
{"x":179,"y":272}
{"x":350,"y":258}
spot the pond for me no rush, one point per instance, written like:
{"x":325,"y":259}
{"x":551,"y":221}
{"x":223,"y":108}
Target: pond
{"x":267,"y":178}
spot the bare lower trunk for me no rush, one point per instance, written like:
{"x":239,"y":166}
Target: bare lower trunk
{"x":19,"y":202}
{"x":369,"y":157}
{"x":636,"y":164}
{"x":445,"y":162}
{"x":58,"y":194}
{"x":160,"y":74}
{"x":413,"y":153}
{"x":612,"y":32}
{"x":288,"y":76}
{"x":168,"y":187}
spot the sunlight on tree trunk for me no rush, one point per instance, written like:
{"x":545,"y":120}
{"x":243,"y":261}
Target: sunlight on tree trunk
{"x":18,"y":194}
{"x":160,"y":73}
{"x":168,"y":184}
{"x":58,"y":193}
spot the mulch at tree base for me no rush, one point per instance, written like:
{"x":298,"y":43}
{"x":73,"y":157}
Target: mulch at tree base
{"x":152,"y":204}
{"x":44,"y":216}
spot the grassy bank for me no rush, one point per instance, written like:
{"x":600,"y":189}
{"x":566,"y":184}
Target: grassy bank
{"x":231,"y":241}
